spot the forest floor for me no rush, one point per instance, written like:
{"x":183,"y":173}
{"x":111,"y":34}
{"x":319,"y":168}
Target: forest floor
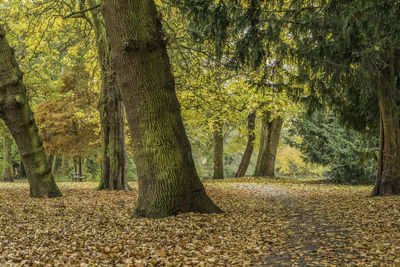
{"x":267,"y":222}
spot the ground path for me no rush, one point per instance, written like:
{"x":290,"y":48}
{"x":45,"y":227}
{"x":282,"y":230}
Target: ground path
{"x":315,"y":238}
{"x":267,"y":222}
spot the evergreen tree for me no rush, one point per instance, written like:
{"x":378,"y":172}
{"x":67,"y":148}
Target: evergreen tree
{"x":350,"y":156}
{"x":347,"y":52}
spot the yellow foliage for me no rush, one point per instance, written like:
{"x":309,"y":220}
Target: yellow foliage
{"x":289,"y":161}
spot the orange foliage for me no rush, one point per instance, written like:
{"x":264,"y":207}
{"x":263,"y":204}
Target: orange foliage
{"x":69,"y":124}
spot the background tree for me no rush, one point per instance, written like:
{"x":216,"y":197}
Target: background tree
{"x":17,"y":115}
{"x":68,"y":124}
{"x":67,"y":28}
{"x":244,"y":163}
{"x":351,"y":62}
{"x":350,"y":156}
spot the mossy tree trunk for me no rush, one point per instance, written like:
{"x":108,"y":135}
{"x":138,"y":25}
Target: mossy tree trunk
{"x":168,"y":182}
{"x":218,"y":136}
{"x":17,"y":115}
{"x":388,"y":176}
{"x":7,"y":142}
{"x":113,"y":163}
{"x":244,"y":163}
{"x":266,"y":166}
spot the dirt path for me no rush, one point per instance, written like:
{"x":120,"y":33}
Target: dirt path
{"x":311,"y":232}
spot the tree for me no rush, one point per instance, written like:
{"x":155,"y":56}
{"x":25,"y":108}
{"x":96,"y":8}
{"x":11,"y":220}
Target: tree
{"x":7,"y":142}
{"x":113,"y":163}
{"x":218,"y":136}
{"x":350,"y":156}
{"x":349,"y":50}
{"x":269,"y":141}
{"x":168,"y":182}
{"x":67,"y":28}
{"x":17,"y":115}
{"x":244,"y":163}
{"x":66,"y":123}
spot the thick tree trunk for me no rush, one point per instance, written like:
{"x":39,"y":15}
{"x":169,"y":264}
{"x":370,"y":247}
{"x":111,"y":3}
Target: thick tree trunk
{"x":113,"y":163}
{"x":244,"y":163}
{"x":376,"y":189}
{"x":266,"y":166}
{"x":218,"y":151}
{"x":388,"y":176}
{"x":16,"y":113}
{"x":168,"y":182}
{"x":7,"y":142}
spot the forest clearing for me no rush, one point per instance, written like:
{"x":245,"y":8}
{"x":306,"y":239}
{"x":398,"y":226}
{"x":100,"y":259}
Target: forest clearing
{"x":271,"y":222}
{"x":200,"y":133}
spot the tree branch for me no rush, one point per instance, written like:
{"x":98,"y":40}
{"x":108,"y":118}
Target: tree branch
{"x":73,"y":14}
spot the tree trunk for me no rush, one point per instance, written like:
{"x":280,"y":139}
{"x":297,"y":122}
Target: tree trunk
{"x":7,"y":142}
{"x":55,"y":165}
{"x":244,"y":163}
{"x":113,"y":162}
{"x":21,"y":170}
{"x":266,"y":166}
{"x":388,"y":176}
{"x":79,"y":168}
{"x":264,"y":130}
{"x":168,"y":181}
{"x":218,"y":151}
{"x":16,"y":113}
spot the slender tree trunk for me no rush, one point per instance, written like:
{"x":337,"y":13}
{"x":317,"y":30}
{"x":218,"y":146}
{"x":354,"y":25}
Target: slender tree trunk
{"x":266,"y":166}
{"x":75,"y":167}
{"x":218,"y":151}
{"x":7,"y":142}
{"x":21,"y":170}
{"x":264,"y":130}
{"x":56,"y":164}
{"x":388,"y":176}
{"x":16,"y":113}
{"x":244,"y":163}
{"x":168,"y":181}
{"x":79,"y":168}
{"x":113,"y":163}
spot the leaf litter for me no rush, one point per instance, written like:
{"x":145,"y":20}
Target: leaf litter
{"x":270,"y":222}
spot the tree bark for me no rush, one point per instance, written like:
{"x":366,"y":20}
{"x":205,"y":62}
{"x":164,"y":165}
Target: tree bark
{"x":218,"y":151}
{"x":264,"y":129}
{"x":7,"y":142}
{"x":113,"y":162}
{"x":168,"y":181}
{"x":388,"y":176}
{"x":266,"y":167}
{"x":244,"y":163}
{"x":21,"y":170}
{"x":79,"y":168}
{"x":17,"y":115}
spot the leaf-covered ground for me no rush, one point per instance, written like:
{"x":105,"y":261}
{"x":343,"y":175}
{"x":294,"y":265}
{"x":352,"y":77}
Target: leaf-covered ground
{"x":267,"y":223}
